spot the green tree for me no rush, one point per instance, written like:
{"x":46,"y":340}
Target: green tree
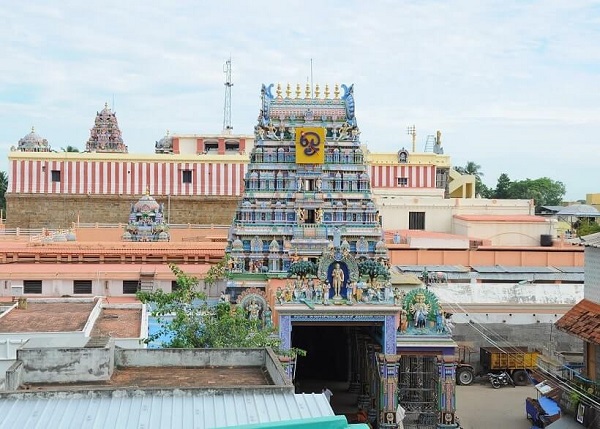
{"x":3,"y":188}
{"x":189,"y":322}
{"x":544,"y":191}
{"x":587,"y":227}
{"x":69,"y":148}
{"x":502,"y":190}
{"x":217,"y":271}
{"x":302,"y":269}
{"x":373,"y":270}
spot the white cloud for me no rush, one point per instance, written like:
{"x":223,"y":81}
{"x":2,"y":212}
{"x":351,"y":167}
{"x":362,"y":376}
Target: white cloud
{"x":504,"y":81}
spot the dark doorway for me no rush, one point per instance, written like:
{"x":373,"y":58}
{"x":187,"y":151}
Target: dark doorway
{"x":327,"y":352}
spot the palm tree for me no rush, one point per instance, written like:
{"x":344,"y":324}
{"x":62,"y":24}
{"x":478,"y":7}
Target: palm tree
{"x":69,"y":148}
{"x":474,"y":169}
{"x":471,"y":168}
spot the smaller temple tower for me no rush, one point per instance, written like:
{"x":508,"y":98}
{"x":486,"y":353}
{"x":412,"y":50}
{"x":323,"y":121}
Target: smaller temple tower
{"x":105,"y":136}
{"x":146,"y":221}
{"x":32,"y":142}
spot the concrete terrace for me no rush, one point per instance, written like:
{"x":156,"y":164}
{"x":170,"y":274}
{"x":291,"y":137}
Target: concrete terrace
{"x":47,"y":317}
{"x":118,"y":323}
{"x":173,"y":377}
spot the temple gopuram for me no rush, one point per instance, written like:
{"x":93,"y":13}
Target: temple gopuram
{"x":306,"y":251}
{"x":105,"y":136}
{"x":146,"y":221}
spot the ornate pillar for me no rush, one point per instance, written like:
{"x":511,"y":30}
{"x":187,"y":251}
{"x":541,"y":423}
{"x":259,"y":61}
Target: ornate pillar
{"x":373,"y":374}
{"x":285,"y":334}
{"x":363,"y":371}
{"x":447,"y":393}
{"x":388,"y":389}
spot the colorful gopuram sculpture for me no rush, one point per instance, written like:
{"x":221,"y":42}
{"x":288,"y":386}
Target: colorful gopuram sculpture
{"x":307,"y":192}
{"x":146,"y":221}
{"x":105,"y":136}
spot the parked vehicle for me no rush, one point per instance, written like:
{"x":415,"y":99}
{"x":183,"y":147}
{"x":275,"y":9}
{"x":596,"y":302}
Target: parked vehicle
{"x":515,"y":361}
{"x":499,"y":380}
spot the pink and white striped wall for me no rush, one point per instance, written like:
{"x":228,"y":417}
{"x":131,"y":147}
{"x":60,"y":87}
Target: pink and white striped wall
{"x":165,"y":178}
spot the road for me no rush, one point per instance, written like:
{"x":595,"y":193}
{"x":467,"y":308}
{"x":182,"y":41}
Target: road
{"x":479,"y":406}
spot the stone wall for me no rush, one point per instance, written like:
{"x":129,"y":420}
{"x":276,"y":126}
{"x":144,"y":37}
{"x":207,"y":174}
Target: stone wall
{"x":61,"y":211}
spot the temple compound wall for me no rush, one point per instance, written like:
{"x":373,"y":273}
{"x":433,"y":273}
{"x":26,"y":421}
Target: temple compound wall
{"x":60,"y":211}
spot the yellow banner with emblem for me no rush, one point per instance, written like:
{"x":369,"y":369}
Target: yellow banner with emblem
{"x":310,"y":145}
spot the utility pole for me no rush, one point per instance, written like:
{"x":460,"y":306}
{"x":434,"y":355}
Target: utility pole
{"x":412,"y":131}
{"x":227,"y":127}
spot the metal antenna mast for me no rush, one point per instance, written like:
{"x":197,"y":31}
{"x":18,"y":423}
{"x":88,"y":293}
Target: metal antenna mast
{"x":412,"y":131}
{"x":227,"y":127}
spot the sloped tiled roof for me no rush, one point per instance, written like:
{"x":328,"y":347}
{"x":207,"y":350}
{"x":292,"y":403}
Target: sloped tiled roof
{"x":592,"y":240}
{"x":583,"y":321}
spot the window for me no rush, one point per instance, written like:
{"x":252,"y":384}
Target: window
{"x":402,"y":181}
{"x":174,"y":285}
{"x":82,"y":286}
{"x":56,"y":175}
{"x":416,"y":220}
{"x":32,"y":286}
{"x":186,"y":176}
{"x":211,"y":146}
{"x":130,"y":286}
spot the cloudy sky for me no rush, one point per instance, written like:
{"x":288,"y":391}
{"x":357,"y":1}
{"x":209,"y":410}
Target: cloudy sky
{"x":512,"y":85}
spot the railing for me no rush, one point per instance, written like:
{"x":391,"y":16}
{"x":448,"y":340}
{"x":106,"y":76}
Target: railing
{"x":171,"y":226}
{"x":49,"y":235}
{"x":17,"y":232}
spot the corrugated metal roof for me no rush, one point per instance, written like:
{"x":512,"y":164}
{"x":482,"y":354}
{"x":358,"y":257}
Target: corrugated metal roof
{"x":159,"y":410}
{"x":511,"y":269}
{"x":592,"y":240}
{"x":432,"y":268}
{"x":570,"y":269}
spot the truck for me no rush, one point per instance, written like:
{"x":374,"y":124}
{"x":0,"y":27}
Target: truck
{"x":516,"y":361}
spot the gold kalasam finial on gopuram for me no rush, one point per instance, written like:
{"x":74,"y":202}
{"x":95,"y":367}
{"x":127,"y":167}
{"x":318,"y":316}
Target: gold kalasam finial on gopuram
{"x":307,"y":91}
{"x":278,"y":90}
{"x":148,"y":190}
{"x":288,"y":91}
{"x":326,"y":91}
{"x":298,"y":90}
{"x":317,"y":91}
{"x":336,"y":91}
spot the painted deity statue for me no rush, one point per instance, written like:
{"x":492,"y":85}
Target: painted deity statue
{"x":337,"y":277}
{"x":420,"y":311}
{"x":253,"y":310}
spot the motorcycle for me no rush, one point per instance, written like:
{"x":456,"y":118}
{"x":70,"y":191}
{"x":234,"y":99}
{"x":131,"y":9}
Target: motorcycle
{"x":499,"y":380}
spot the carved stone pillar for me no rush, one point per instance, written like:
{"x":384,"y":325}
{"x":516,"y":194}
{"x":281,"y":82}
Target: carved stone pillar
{"x":447,"y":398}
{"x":388,"y":389}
